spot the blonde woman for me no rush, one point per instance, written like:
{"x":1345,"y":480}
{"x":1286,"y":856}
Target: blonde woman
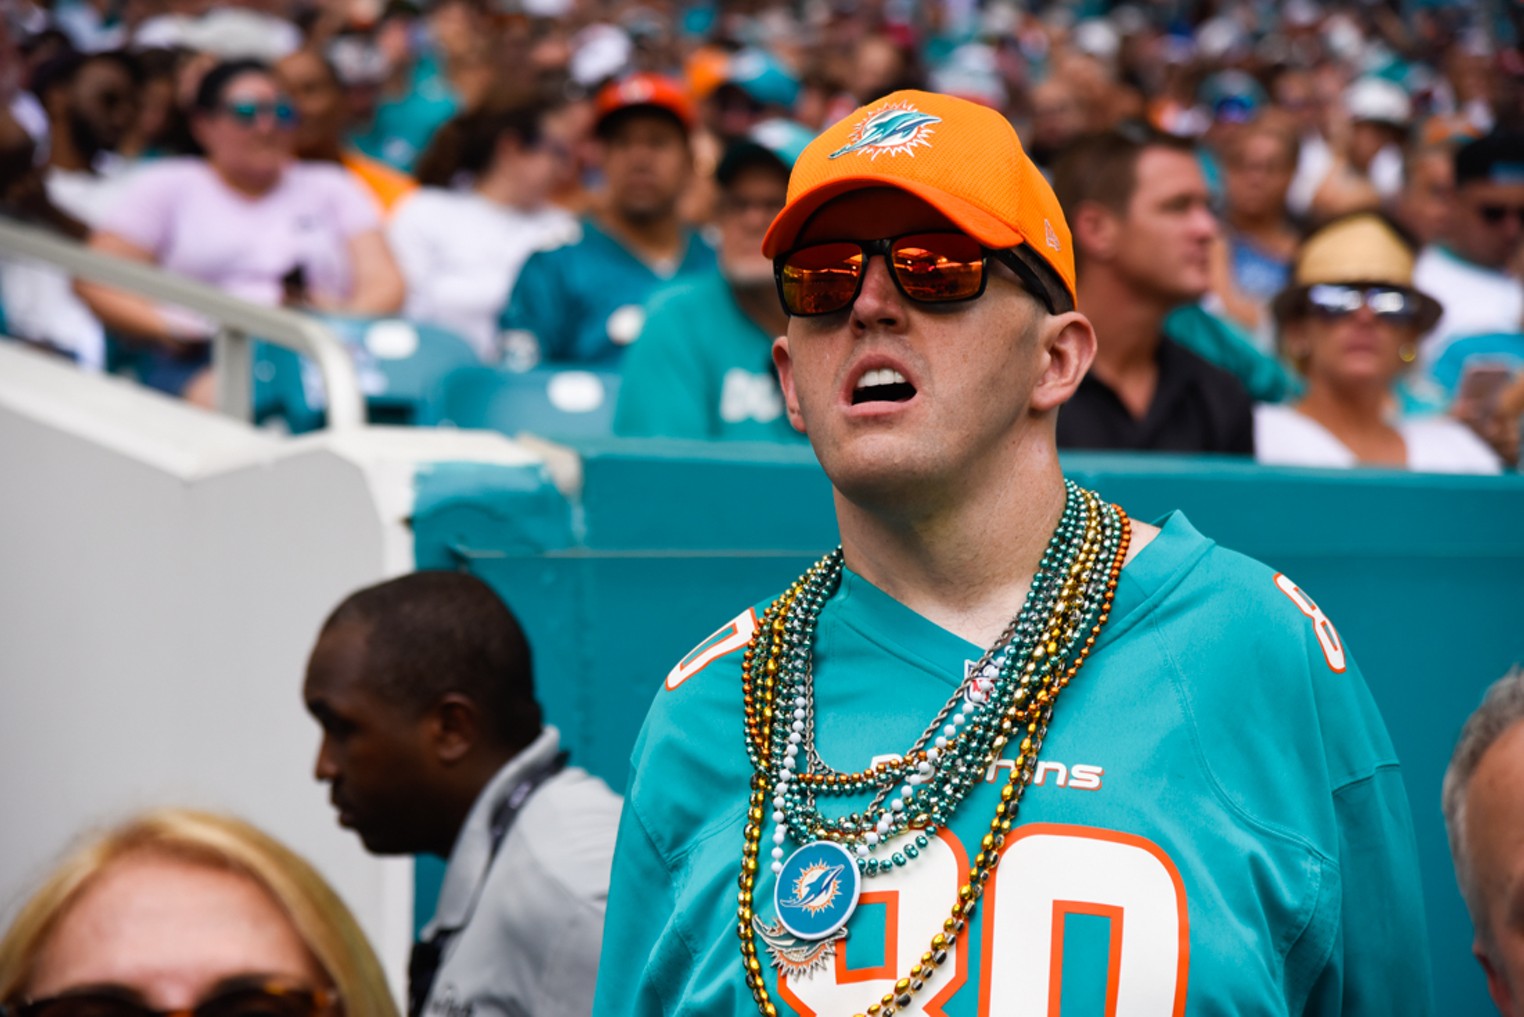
{"x":182,"y":911}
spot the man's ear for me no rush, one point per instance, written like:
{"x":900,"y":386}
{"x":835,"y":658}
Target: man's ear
{"x":1068,"y":345}
{"x":1096,"y":230}
{"x":785,"y":366}
{"x":454,"y":728}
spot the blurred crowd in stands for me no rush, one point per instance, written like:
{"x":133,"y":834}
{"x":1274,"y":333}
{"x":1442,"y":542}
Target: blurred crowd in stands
{"x":575,"y":184}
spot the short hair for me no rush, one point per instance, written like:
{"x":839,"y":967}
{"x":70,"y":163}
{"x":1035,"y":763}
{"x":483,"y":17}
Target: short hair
{"x":428,"y":634}
{"x":1502,"y":707}
{"x":467,"y":144}
{"x":1103,"y":168}
{"x":1496,"y":158}
{"x":315,"y":911}
{"x":214,"y":83}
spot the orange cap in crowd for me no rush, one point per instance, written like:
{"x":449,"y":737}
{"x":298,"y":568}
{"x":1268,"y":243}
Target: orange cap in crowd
{"x":958,"y":156}
{"x":644,"y":90}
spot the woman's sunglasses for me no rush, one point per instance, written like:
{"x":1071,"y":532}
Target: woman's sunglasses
{"x":928,"y":268}
{"x":271,"y":999}
{"x":1335,"y":300}
{"x":248,"y":112}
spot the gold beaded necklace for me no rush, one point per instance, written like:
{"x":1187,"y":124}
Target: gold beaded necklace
{"x":1026,"y":716}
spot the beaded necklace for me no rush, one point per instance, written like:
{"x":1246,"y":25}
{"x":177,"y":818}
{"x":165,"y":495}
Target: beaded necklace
{"x":1007,"y":696}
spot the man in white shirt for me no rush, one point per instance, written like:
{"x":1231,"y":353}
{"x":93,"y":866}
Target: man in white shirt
{"x":433,"y":744}
{"x":1470,"y":274}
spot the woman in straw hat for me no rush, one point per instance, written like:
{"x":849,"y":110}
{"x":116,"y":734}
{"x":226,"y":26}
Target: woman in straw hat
{"x":1351,"y":322}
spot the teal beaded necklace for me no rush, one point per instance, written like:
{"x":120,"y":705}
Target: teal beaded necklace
{"x":1007,"y":696}
{"x":955,"y":750}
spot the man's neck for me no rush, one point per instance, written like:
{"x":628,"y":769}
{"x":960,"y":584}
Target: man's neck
{"x":653,"y":240}
{"x":759,"y":302}
{"x":966,"y":565}
{"x":1129,"y":326}
{"x":504,"y":190}
{"x":64,"y":155}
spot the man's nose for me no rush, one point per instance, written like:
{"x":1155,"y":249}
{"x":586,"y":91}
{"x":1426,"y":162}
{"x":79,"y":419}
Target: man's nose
{"x":879,"y":301}
{"x":325,"y":769}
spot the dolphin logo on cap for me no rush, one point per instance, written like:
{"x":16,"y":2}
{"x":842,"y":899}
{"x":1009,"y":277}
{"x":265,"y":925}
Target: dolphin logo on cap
{"x":896,"y":129}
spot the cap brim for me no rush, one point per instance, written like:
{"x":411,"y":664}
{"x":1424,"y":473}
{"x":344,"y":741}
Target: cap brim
{"x":783,"y":234}
{"x":606,"y":121}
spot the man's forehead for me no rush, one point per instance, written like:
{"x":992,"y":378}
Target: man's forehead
{"x":873,"y":213}
{"x":338,"y":657}
{"x":1484,"y":191}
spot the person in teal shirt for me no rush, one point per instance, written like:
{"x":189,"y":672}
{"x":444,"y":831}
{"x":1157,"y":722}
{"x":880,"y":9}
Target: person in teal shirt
{"x":1162,"y":787}
{"x":584,"y":302}
{"x":703,"y":365}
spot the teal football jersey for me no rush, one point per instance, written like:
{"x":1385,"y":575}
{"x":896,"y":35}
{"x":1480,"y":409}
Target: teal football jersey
{"x":584,"y":302}
{"x":1217,"y":824}
{"x":702,"y":369}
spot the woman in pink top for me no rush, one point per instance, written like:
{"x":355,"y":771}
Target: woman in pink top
{"x":247,"y":219}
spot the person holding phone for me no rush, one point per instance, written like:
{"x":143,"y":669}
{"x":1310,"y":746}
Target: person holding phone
{"x":241,"y":218}
{"x":1351,"y":322}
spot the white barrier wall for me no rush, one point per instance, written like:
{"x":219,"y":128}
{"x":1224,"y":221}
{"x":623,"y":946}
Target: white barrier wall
{"x":163,"y":572}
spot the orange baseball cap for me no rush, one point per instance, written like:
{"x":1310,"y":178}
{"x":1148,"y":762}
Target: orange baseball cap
{"x":651,"y":90}
{"x":962,"y":158}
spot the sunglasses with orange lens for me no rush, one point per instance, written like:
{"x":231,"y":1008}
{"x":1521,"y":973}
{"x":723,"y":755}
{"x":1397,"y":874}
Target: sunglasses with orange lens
{"x":928,"y":268}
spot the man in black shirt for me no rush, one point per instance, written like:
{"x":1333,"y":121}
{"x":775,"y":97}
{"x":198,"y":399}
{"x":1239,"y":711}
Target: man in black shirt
{"x":1143,"y":236}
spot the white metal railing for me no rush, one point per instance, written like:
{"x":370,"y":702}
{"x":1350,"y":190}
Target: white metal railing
{"x":238,"y":321}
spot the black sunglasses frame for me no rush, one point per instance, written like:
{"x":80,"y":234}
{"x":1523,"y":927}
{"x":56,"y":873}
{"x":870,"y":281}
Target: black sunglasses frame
{"x":315,"y":1002}
{"x":884,"y":246}
{"x":1408,"y":315}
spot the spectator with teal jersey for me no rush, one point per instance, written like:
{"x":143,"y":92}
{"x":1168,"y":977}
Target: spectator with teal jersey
{"x":584,"y":302}
{"x":703,"y":365}
{"x":1005,"y":750}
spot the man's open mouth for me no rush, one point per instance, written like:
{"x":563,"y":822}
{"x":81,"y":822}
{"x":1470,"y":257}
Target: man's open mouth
{"x":884,"y":385}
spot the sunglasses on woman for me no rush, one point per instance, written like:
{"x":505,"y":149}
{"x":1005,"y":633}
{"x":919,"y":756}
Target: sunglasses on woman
{"x":268,"y":999}
{"x":248,"y":112}
{"x":928,"y":268}
{"x":1335,"y":300}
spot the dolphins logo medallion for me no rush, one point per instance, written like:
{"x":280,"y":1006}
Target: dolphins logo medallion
{"x":817,"y":890}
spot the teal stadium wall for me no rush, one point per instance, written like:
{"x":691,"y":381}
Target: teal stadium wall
{"x":666,"y":542}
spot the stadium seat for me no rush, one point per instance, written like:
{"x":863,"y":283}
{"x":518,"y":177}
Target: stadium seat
{"x":400,"y":364}
{"x":559,"y":404}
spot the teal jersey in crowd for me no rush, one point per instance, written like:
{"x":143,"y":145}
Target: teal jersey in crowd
{"x":1217,"y":824}
{"x":404,"y":124}
{"x":584,"y":302}
{"x":701,"y":369}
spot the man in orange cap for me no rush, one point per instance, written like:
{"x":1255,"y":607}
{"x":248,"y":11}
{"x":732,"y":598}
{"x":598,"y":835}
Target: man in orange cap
{"x":583,"y":302}
{"x":990,"y":755}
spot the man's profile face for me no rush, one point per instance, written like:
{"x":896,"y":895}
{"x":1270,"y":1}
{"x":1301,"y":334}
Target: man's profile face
{"x":103,"y":103}
{"x":1494,"y":839}
{"x":647,"y":164}
{"x":374,"y":754}
{"x":1489,"y":222}
{"x":318,"y":99}
{"x":1427,"y":200}
{"x":960,"y":375}
{"x":1166,"y":237}
{"x":746,"y":209}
